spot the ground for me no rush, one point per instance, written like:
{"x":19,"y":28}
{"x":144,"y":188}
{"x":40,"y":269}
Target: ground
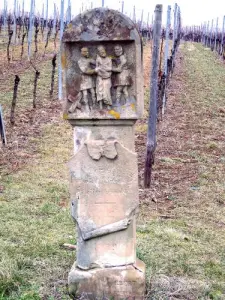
{"x":181,"y":225}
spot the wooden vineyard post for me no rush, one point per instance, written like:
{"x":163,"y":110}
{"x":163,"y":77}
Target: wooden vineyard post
{"x":46,"y":15}
{"x":204,"y":31}
{"x":67,"y":16}
{"x":37,"y":74}
{"x":178,"y":28}
{"x":151,"y":135}
{"x":207,"y":35}
{"x":30,"y":28}
{"x":36,"y":25}
{"x":222,"y":43}
{"x":42,"y":21}
{"x":59,"y":63}
{"x":122,"y":7}
{"x":148,"y":35}
{"x":5,"y":18}
{"x":2,"y":128}
{"x":48,"y":34}
{"x":142,"y":15}
{"x":55,"y":35}
{"x":22,"y":45}
{"x":8,"y":45}
{"x":216,"y":34}
{"x":54,"y":21}
{"x":53,"y":74}
{"x":46,"y":24}
{"x":23,"y":14}
{"x":166,"y":55}
{"x":175,"y":24}
{"x":161,"y":80}
{"x":16,"y":84}
{"x":69,"y":12}
{"x":175,"y":33}
{"x":211,"y":36}
{"x":134,"y":15}
{"x":14,"y":29}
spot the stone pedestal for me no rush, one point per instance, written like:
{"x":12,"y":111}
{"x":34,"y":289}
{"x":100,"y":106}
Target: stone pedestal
{"x":104,"y":192}
{"x":104,"y":195}
{"x":103,"y":99}
{"x":125,"y":282}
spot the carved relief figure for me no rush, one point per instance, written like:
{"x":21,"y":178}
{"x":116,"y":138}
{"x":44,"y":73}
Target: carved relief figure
{"x":86,"y":64}
{"x":103,"y":82}
{"x":122,"y":78}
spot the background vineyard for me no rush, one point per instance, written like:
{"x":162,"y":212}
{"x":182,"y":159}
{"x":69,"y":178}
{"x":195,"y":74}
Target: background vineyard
{"x":180,"y":232}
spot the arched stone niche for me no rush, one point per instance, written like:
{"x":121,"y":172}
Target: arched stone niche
{"x":90,"y":92}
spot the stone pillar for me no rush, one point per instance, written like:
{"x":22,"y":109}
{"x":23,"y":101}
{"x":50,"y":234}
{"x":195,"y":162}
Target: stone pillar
{"x":103,"y":98}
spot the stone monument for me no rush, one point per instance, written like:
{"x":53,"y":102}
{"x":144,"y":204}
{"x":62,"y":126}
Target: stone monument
{"x":103,"y":97}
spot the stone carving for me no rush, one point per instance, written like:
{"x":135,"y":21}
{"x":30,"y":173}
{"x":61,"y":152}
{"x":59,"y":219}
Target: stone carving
{"x":104,"y":230}
{"x":87,"y":82}
{"x":75,"y":102}
{"x":99,"y":148}
{"x":102,"y":78}
{"x":103,"y":82}
{"x":103,"y":67}
{"x":104,"y":192}
{"x":122,"y":78}
{"x":107,"y":229}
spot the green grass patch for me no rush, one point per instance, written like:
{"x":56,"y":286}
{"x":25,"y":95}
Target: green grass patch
{"x":35,"y":220}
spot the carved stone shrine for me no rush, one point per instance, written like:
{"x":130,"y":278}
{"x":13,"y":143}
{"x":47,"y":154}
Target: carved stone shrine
{"x":103,"y":97}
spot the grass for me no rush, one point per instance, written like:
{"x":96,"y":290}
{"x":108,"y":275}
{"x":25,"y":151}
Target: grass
{"x":35,"y":219}
{"x":184,"y":252}
{"x":34,"y":207}
{"x":25,"y":88}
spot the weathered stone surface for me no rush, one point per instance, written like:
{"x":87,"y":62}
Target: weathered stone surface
{"x":103,"y":97}
{"x":126,"y":282}
{"x":102,"y":67}
{"x":104,"y":191}
{"x":99,"y":148}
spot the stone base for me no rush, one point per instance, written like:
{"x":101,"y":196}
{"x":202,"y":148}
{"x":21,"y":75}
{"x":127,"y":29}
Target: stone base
{"x":117,"y":283}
